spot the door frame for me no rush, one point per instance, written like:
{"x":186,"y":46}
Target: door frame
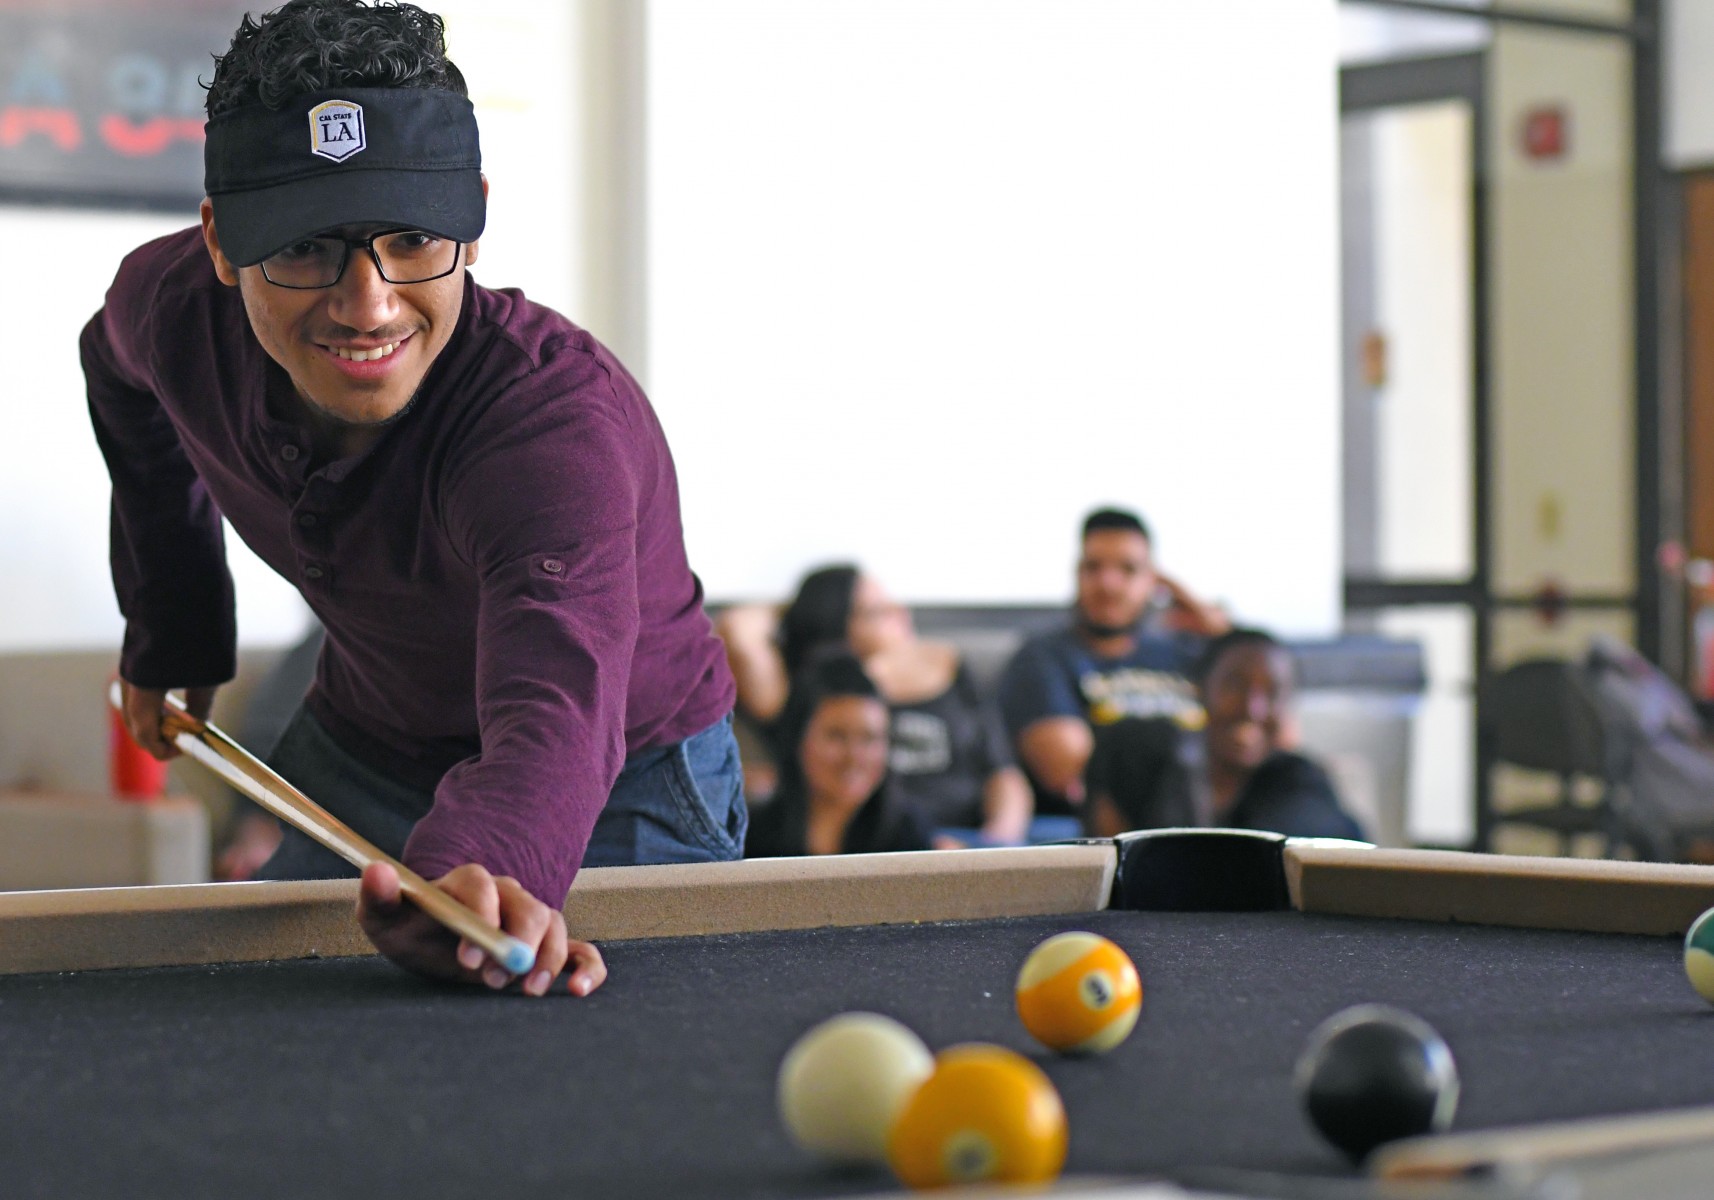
{"x":1659,"y":611}
{"x":1402,"y":83}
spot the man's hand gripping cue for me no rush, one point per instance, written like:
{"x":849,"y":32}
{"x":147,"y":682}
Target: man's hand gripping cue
{"x":143,"y":709}
{"x":418,"y":943}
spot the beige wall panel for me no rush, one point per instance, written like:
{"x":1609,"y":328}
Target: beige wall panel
{"x":1593,"y":10}
{"x":61,"y":840}
{"x":53,"y":728}
{"x":1520,"y":634}
{"x":1563,"y":395}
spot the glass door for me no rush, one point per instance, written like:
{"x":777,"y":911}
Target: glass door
{"x":1414,"y":568}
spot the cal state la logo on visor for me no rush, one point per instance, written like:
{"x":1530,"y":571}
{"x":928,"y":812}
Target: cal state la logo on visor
{"x":336,"y":129}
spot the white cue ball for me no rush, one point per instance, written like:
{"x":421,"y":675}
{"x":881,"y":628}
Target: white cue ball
{"x":842,"y":1083}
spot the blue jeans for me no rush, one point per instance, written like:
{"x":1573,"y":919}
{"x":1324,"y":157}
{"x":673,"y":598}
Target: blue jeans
{"x":673,"y":804}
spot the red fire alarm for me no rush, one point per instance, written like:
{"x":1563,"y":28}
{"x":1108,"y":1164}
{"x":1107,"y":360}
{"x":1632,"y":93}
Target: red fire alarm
{"x":1546,"y":133}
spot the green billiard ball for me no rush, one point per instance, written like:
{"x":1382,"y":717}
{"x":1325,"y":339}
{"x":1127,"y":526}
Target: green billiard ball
{"x":1699,"y":955}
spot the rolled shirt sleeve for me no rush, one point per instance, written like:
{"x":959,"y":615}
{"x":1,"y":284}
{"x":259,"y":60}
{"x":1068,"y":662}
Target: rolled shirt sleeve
{"x":167,"y":547}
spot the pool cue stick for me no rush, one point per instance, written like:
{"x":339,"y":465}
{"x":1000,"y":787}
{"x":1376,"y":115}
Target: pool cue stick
{"x":1452,"y":1155}
{"x":203,"y":741}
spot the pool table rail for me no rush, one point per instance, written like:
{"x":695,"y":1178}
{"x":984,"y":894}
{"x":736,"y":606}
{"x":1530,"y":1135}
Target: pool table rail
{"x":101,"y":928}
{"x":1233,"y":870}
{"x":1590,"y":895}
{"x":92,"y":929}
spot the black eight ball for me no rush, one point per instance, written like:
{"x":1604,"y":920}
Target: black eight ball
{"x":1373,"y":1074}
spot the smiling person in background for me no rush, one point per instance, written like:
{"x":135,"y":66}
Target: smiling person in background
{"x":470,"y":492}
{"x":834,"y":794}
{"x":1239,"y":772}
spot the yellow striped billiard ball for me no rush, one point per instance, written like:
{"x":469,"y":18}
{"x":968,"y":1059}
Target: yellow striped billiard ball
{"x":1078,"y":993}
{"x":986,"y":1115}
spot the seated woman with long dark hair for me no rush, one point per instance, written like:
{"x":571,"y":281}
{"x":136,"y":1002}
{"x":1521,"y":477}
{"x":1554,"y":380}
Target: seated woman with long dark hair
{"x":950,"y":755}
{"x":834,"y":794}
{"x":1238,"y":772}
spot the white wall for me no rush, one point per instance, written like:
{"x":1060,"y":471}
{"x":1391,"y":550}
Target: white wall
{"x":1377,"y":34}
{"x":517,"y":58}
{"x":53,"y":488}
{"x":1078,"y":251}
{"x":929,"y":278}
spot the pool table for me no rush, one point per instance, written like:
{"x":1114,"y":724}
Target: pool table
{"x":240,"y":1039}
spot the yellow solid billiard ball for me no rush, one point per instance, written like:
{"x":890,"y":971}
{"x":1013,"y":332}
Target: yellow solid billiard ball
{"x":1079,"y":994}
{"x":843,"y":1082}
{"x":986,"y":1114}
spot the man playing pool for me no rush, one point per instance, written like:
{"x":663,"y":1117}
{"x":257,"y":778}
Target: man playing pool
{"x":471,"y":493}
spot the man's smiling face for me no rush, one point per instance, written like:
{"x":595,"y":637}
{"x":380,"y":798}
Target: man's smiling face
{"x":358,"y":351}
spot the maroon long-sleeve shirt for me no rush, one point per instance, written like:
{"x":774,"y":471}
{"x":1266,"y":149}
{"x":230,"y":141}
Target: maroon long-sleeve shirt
{"x":502,"y":576}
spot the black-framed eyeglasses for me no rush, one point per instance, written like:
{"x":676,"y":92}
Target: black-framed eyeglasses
{"x":401,"y":255}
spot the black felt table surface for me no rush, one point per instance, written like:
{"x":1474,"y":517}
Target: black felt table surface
{"x":349,"y":1078}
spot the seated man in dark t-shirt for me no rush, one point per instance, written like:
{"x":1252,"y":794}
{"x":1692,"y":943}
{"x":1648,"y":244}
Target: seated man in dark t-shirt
{"x":1111,"y":662}
{"x":1148,"y":773}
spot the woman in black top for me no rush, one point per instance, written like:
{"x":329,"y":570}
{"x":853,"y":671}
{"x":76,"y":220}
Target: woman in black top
{"x":951,"y":758}
{"x":1238,"y":773}
{"x":834,"y":794}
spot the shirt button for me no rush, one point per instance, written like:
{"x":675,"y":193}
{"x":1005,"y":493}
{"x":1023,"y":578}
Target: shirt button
{"x":553,"y":566}
{"x":307,"y":520}
{"x":312,"y":572}
{"x":289,"y":453}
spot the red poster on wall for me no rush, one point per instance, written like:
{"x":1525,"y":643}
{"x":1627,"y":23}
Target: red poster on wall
{"x":102,"y":103}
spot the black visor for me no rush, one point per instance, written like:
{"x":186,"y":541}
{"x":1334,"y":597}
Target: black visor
{"x":401,"y":156}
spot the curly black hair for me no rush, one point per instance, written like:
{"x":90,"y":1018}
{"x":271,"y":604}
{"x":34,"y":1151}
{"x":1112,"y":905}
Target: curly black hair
{"x":309,"y":45}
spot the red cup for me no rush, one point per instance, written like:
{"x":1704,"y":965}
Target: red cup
{"x":132,"y":772}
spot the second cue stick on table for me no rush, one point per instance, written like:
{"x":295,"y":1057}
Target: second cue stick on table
{"x":1491,"y":1151}
{"x":203,"y":741}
